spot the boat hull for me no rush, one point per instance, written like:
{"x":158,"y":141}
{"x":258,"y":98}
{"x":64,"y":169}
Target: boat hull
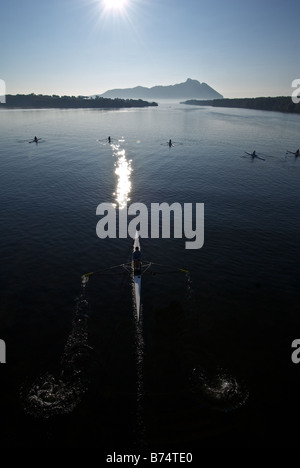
{"x":137,"y":275}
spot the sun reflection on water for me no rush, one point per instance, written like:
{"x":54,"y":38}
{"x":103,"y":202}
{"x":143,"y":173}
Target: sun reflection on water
{"x":123,"y":172}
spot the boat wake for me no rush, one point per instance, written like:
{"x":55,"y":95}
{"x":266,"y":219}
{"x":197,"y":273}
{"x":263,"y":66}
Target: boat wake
{"x":51,"y":395}
{"x":189,"y":286}
{"x":221,"y":391}
{"x":139,"y":342}
{"x":60,"y":392}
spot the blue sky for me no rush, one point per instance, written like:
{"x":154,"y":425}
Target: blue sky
{"x":240,"y":48}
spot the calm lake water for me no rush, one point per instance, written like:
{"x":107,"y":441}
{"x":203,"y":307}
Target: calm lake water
{"x":210,"y":363}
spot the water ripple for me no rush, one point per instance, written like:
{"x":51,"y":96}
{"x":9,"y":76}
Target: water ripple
{"x":220,"y":391}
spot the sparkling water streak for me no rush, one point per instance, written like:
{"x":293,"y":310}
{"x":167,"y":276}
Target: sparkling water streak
{"x":123,"y":172}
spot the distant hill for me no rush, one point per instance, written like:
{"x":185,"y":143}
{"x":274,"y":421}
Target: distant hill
{"x":190,"y":89}
{"x":276,"y":104}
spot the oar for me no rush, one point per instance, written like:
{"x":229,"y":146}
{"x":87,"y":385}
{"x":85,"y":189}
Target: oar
{"x":98,"y":272}
{"x":182,"y":270}
{"x":268,"y":155}
{"x":125,"y":265}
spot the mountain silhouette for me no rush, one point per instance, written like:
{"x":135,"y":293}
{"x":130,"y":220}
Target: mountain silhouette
{"x":190,"y":89}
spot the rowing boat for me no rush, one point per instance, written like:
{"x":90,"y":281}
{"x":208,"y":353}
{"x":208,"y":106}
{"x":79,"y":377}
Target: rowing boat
{"x":255,"y":156}
{"x":137,"y":274}
{"x":129,"y":267}
{"x":35,"y":140}
{"x":137,"y":277}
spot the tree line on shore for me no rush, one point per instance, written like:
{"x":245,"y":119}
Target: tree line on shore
{"x":43,"y":101}
{"x":277,"y":104}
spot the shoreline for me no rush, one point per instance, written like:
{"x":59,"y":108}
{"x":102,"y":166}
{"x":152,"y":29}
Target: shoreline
{"x":283,"y":104}
{"x":33,"y":101}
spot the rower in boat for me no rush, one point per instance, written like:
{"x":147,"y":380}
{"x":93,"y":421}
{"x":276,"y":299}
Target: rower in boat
{"x":137,"y":273}
{"x":135,"y":268}
{"x":297,"y":152}
{"x":35,"y":140}
{"x":254,"y":155}
{"x":109,"y":139}
{"x":137,"y":256}
{"x":170,"y":143}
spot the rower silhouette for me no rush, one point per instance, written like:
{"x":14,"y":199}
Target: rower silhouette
{"x":137,"y":256}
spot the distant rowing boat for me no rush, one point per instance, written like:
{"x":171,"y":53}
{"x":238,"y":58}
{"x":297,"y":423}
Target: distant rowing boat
{"x":255,"y":156}
{"x":35,"y":140}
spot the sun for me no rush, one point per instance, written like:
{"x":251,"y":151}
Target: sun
{"x":115,"y":4}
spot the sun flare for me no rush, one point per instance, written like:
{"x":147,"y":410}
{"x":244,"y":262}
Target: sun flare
{"x":115,"y":4}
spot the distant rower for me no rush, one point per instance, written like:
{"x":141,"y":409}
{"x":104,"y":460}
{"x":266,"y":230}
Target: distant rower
{"x":35,"y":139}
{"x":253,"y":154}
{"x":297,"y":153}
{"x":109,"y":139}
{"x":170,"y":143}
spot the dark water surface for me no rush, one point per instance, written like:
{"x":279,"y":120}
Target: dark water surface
{"x":210,"y":364}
